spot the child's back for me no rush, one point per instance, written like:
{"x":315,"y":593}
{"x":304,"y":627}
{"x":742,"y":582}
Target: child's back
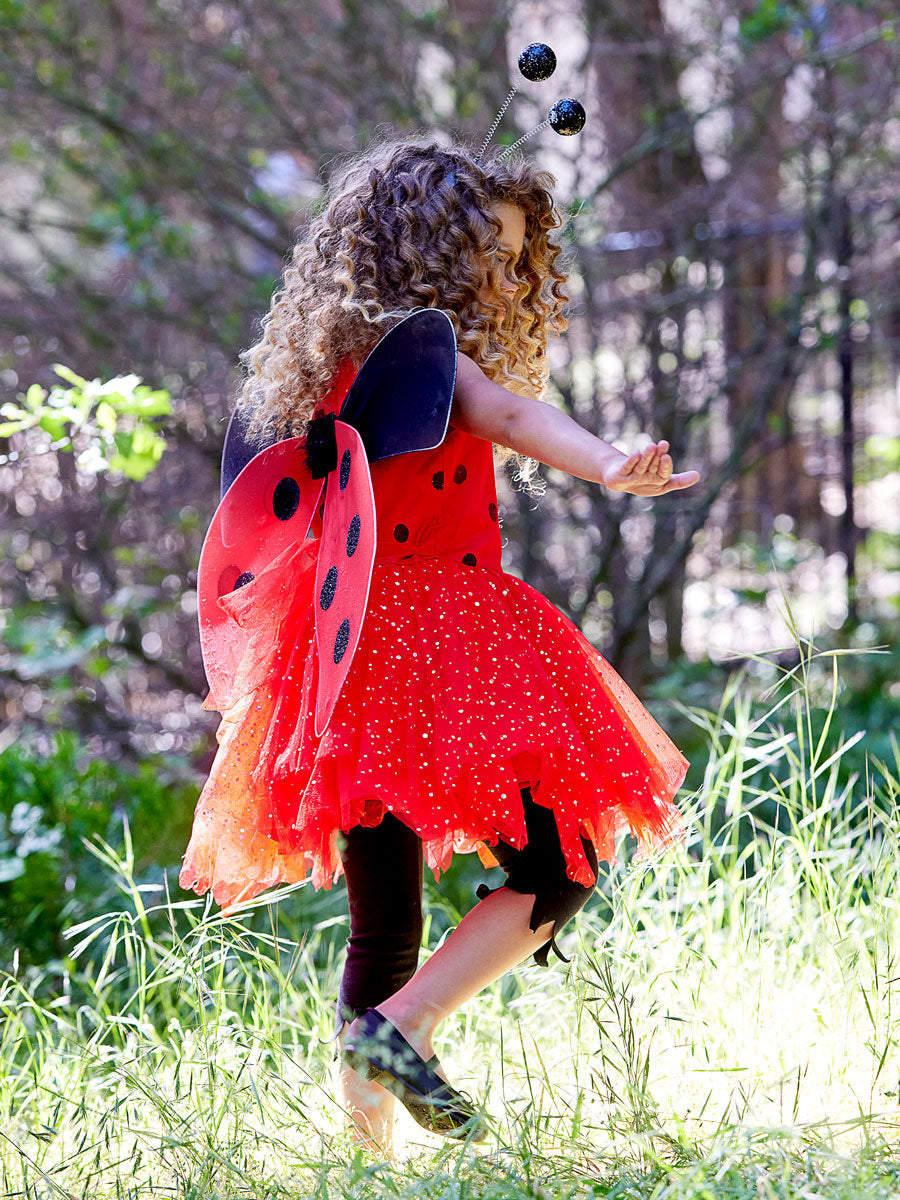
{"x":439,"y":503}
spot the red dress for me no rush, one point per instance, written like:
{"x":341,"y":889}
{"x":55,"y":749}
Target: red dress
{"x":466,"y":684}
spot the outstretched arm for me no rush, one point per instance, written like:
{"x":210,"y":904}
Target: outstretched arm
{"x":541,"y":431}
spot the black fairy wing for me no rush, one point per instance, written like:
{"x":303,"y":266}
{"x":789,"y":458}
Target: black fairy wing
{"x":400,"y":400}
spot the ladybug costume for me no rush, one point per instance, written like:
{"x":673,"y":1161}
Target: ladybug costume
{"x":376,"y":667}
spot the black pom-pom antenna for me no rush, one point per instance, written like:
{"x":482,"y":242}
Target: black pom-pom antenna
{"x":537,"y":62}
{"x":566,"y":117}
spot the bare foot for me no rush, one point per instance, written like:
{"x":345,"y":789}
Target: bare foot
{"x":370,"y":1107}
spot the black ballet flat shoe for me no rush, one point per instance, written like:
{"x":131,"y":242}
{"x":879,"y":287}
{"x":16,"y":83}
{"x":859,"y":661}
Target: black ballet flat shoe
{"x":381,"y":1053}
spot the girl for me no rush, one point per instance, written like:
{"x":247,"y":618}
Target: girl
{"x":474,"y":716}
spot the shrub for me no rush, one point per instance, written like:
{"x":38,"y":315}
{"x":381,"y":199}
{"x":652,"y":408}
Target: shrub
{"x":50,"y":807}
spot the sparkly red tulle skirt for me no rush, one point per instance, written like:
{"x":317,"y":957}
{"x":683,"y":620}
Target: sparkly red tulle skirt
{"x":466,"y":684}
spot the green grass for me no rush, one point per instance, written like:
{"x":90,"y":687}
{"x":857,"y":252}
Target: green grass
{"x":728,"y":1026}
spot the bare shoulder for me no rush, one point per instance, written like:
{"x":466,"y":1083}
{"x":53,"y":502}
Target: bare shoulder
{"x":480,"y":406}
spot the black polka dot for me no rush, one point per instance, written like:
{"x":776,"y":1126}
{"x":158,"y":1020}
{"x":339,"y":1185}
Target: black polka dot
{"x":470,"y":560}
{"x":353,"y":536}
{"x":345,"y":469}
{"x":492,"y":511}
{"x":285,"y":498}
{"x":329,"y":584}
{"x":401,"y":533}
{"x":244,"y":577}
{"x":437,"y":480}
{"x":459,"y":475}
{"x":341,"y":639}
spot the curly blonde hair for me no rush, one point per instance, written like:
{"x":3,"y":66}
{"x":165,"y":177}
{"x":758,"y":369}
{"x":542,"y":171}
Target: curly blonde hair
{"x":408,"y":224}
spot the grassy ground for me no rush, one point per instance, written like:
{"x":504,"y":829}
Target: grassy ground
{"x":727,"y":1026}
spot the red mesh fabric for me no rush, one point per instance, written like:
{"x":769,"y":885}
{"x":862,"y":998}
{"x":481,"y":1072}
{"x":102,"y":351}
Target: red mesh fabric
{"x":466,"y":683}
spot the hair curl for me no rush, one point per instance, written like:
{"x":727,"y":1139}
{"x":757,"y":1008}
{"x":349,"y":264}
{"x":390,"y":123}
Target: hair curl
{"x":408,"y":224}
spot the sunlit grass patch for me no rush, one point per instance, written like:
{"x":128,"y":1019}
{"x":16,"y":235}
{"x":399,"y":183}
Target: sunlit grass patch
{"x":727,"y":1027}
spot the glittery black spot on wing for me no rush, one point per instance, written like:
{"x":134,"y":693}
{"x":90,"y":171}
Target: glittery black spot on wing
{"x":346,"y":555}
{"x":286,"y":498}
{"x":328,"y":588}
{"x":353,"y":536}
{"x":470,"y":560}
{"x":401,"y":533}
{"x":459,"y":475}
{"x":437,"y":480}
{"x":341,"y":639}
{"x":243,"y":579}
{"x":492,"y":511}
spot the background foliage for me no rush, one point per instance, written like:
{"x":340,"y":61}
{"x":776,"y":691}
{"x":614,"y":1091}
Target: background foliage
{"x":731,"y":235}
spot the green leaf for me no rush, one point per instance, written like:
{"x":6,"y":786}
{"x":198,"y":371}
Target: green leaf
{"x":767,"y":18}
{"x":68,"y":374}
{"x":882,"y":446}
{"x":54,"y":425}
{"x":133,"y":450}
{"x":106,"y":417}
{"x":34,"y":397}
{"x":146,"y":441}
{"x":146,"y":403}
{"x":135,"y":466}
{"x":124,"y":442}
{"x":118,"y":385}
{"x":13,"y":410}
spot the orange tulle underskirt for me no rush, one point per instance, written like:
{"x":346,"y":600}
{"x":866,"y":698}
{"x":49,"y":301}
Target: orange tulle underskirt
{"x":467,"y":684}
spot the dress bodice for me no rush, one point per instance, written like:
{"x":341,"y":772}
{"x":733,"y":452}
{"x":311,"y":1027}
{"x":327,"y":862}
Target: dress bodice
{"x":439,"y":503}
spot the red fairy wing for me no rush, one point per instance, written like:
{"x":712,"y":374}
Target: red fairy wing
{"x":267,"y":508}
{"x":344,"y":569}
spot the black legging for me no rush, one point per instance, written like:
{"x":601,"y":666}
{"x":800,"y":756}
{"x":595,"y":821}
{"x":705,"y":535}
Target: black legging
{"x":384,"y":873}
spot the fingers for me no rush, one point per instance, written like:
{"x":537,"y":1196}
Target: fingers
{"x":647,"y":461}
{"x":649,"y":472}
{"x":684,"y":479}
{"x":654,"y":465}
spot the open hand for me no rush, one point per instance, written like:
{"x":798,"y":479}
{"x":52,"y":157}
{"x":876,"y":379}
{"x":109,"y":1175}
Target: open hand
{"x":648,"y":472}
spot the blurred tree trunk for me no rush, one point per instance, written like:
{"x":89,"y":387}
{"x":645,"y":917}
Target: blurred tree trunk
{"x":475,"y":39}
{"x":841,"y":142}
{"x":755,"y":296}
{"x":636,"y":64}
{"x":849,"y":533}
